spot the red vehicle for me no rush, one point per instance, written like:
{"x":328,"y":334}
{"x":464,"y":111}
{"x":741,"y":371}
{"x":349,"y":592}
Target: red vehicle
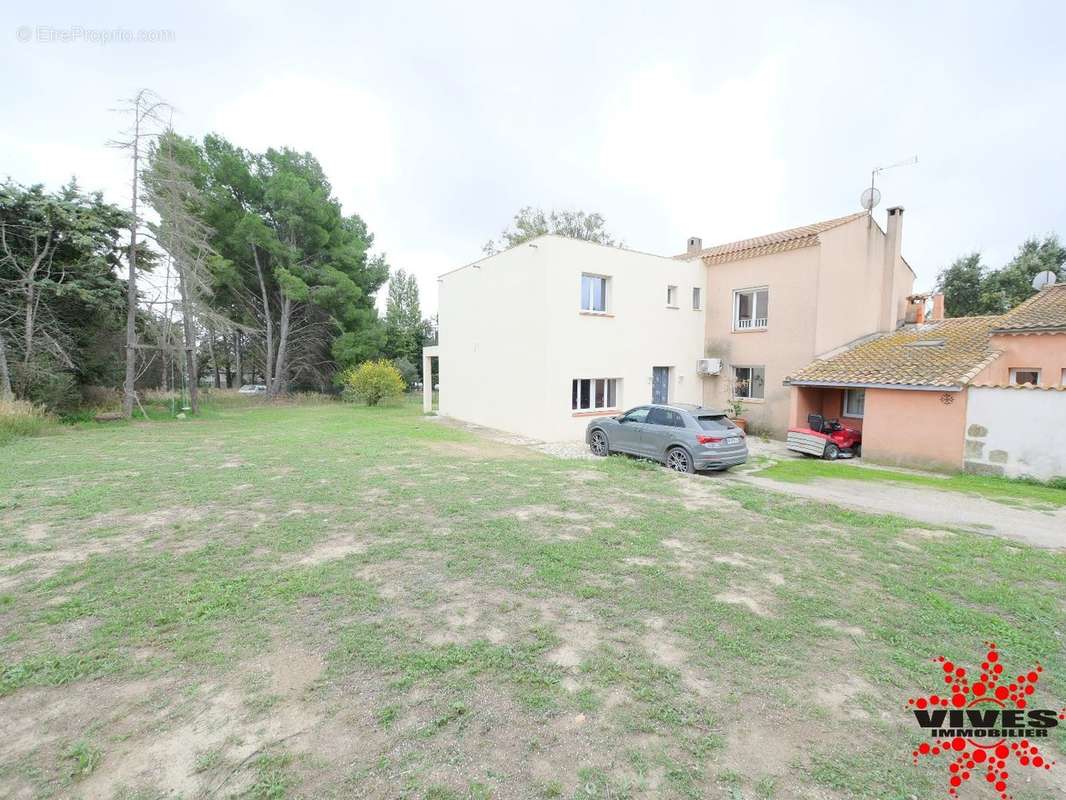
{"x":825,"y":438}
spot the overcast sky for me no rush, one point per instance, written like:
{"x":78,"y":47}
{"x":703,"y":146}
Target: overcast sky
{"x":437,"y":121}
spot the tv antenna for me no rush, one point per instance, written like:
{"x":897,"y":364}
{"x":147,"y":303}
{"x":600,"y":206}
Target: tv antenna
{"x":1045,"y":278}
{"x":871,"y":196}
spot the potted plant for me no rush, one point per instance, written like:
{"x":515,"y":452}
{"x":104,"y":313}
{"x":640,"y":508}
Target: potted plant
{"x":736,"y":408}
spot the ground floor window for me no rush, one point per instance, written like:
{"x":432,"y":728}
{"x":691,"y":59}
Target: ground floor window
{"x":854,"y":402}
{"x":1020,"y":375}
{"x":589,"y":394}
{"x":749,"y":383}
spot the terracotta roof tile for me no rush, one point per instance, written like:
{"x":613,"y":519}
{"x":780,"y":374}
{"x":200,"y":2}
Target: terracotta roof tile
{"x":791,"y":239}
{"x":948,"y":354}
{"x":1044,"y":311}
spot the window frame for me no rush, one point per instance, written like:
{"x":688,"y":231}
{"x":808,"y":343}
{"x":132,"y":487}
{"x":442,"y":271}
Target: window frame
{"x":750,"y":368}
{"x":754,"y":292}
{"x":1013,"y":376}
{"x":610,"y":392}
{"x":844,"y":403}
{"x":672,"y":292}
{"x":697,"y":298}
{"x":606,"y":294}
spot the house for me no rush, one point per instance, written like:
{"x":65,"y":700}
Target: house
{"x":984,"y":394}
{"x":538,"y":338}
{"x":775,"y":302}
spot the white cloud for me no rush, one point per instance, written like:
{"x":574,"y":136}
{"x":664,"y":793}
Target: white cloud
{"x":707,"y":157}
{"x":347,"y":129}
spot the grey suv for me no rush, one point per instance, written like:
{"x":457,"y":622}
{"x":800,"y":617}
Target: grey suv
{"x":685,"y":438}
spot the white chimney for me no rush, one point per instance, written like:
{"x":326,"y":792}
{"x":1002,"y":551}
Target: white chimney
{"x":889,"y":311}
{"x":695,"y":244}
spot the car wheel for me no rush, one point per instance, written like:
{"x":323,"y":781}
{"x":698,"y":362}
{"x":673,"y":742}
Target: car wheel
{"x":679,"y":460}
{"x":857,"y":450}
{"x":831,"y":452}
{"x":599,"y":444}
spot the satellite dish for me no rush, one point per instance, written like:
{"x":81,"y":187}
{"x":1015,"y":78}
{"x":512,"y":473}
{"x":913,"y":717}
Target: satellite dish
{"x":870,"y":198}
{"x":1045,"y":278}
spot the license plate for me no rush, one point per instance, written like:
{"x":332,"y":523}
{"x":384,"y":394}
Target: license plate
{"x":733,"y":440}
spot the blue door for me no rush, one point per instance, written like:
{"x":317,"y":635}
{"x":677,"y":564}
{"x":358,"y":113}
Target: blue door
{"x":660,"y":384}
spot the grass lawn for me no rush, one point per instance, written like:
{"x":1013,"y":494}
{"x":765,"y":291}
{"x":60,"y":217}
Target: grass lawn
{"x":338,"y":602}
{"x":1004,"y":490}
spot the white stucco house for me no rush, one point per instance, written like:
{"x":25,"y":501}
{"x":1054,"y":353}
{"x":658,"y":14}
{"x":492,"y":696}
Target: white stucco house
{"x":538,"y":338}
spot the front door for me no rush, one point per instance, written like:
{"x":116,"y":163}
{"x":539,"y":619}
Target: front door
{"x":660,"y":384}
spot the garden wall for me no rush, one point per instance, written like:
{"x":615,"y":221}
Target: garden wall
{"x":1016,"y":431}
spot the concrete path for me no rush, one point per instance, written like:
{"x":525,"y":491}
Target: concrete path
{"x":929,"y":506}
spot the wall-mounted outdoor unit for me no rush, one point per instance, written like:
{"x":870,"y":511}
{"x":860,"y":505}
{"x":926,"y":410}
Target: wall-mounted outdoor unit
{"x":708,"y":366}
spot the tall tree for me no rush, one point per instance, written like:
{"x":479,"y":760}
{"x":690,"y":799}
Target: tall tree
{"x":529,"y":223}
{"x":292,"y":259}
{"x":145,"y":108}
{"x":171,"y":189}
{"x":404,"y":327}
{"x":1014,"y":282}
{"x":971,"y":289}
{"x":965,"y":290}
{"x":59,"y":294}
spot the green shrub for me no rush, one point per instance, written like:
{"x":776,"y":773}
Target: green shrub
{"x":407,"y":371}
{"x":20,"y":418}
{"x":372,"y":382}
{"x":44,"y":383}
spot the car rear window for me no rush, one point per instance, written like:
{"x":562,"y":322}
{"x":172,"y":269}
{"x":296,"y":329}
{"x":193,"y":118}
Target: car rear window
{"x":719,"y":422}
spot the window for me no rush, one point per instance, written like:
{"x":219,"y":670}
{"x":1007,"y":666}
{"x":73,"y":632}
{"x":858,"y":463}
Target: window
{"x":696,"y":299}
{"x":671,"y":296}
{"x":719,"y":423}
{"x":750,"y":309}
{"x":664,"y":416}
{"x":593,"y":293}
{"x":854,"y":402}
{"x":588,"y":394}
{"x":1020,"y":375}
{"x":637,"y":414}
{"x":749,"y":382}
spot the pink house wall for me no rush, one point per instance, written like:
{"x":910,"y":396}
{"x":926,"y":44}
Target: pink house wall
{"x":1046,"y":352}
{"x":916,"y":428}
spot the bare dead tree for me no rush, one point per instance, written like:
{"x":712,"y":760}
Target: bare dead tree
{"x":185,"y":238}
{"x":6,"y":395}
{"x":146,"y":109}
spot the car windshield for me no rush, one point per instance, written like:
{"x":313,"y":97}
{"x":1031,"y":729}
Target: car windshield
{"x":718,"y":422}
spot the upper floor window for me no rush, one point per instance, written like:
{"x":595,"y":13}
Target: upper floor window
{"x":593,"y":292}
{"x":1020,"y":375}
{"x":671,"y":296}
{"x":854,"y":403}
{"x":750,"y":308}
{"x":697,"y":299}
{"x":749,"y":383}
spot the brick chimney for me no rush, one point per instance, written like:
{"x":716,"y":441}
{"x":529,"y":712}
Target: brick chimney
{"x":937,"y":313}
{"x":695,"y":244}
{"x":889,"y":312}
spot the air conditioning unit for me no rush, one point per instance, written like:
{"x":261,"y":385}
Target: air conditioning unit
{"x":709,"y":366}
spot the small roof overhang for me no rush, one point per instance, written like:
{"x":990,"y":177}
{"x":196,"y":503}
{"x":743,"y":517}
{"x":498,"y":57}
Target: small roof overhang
{"x":904,"y":386}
